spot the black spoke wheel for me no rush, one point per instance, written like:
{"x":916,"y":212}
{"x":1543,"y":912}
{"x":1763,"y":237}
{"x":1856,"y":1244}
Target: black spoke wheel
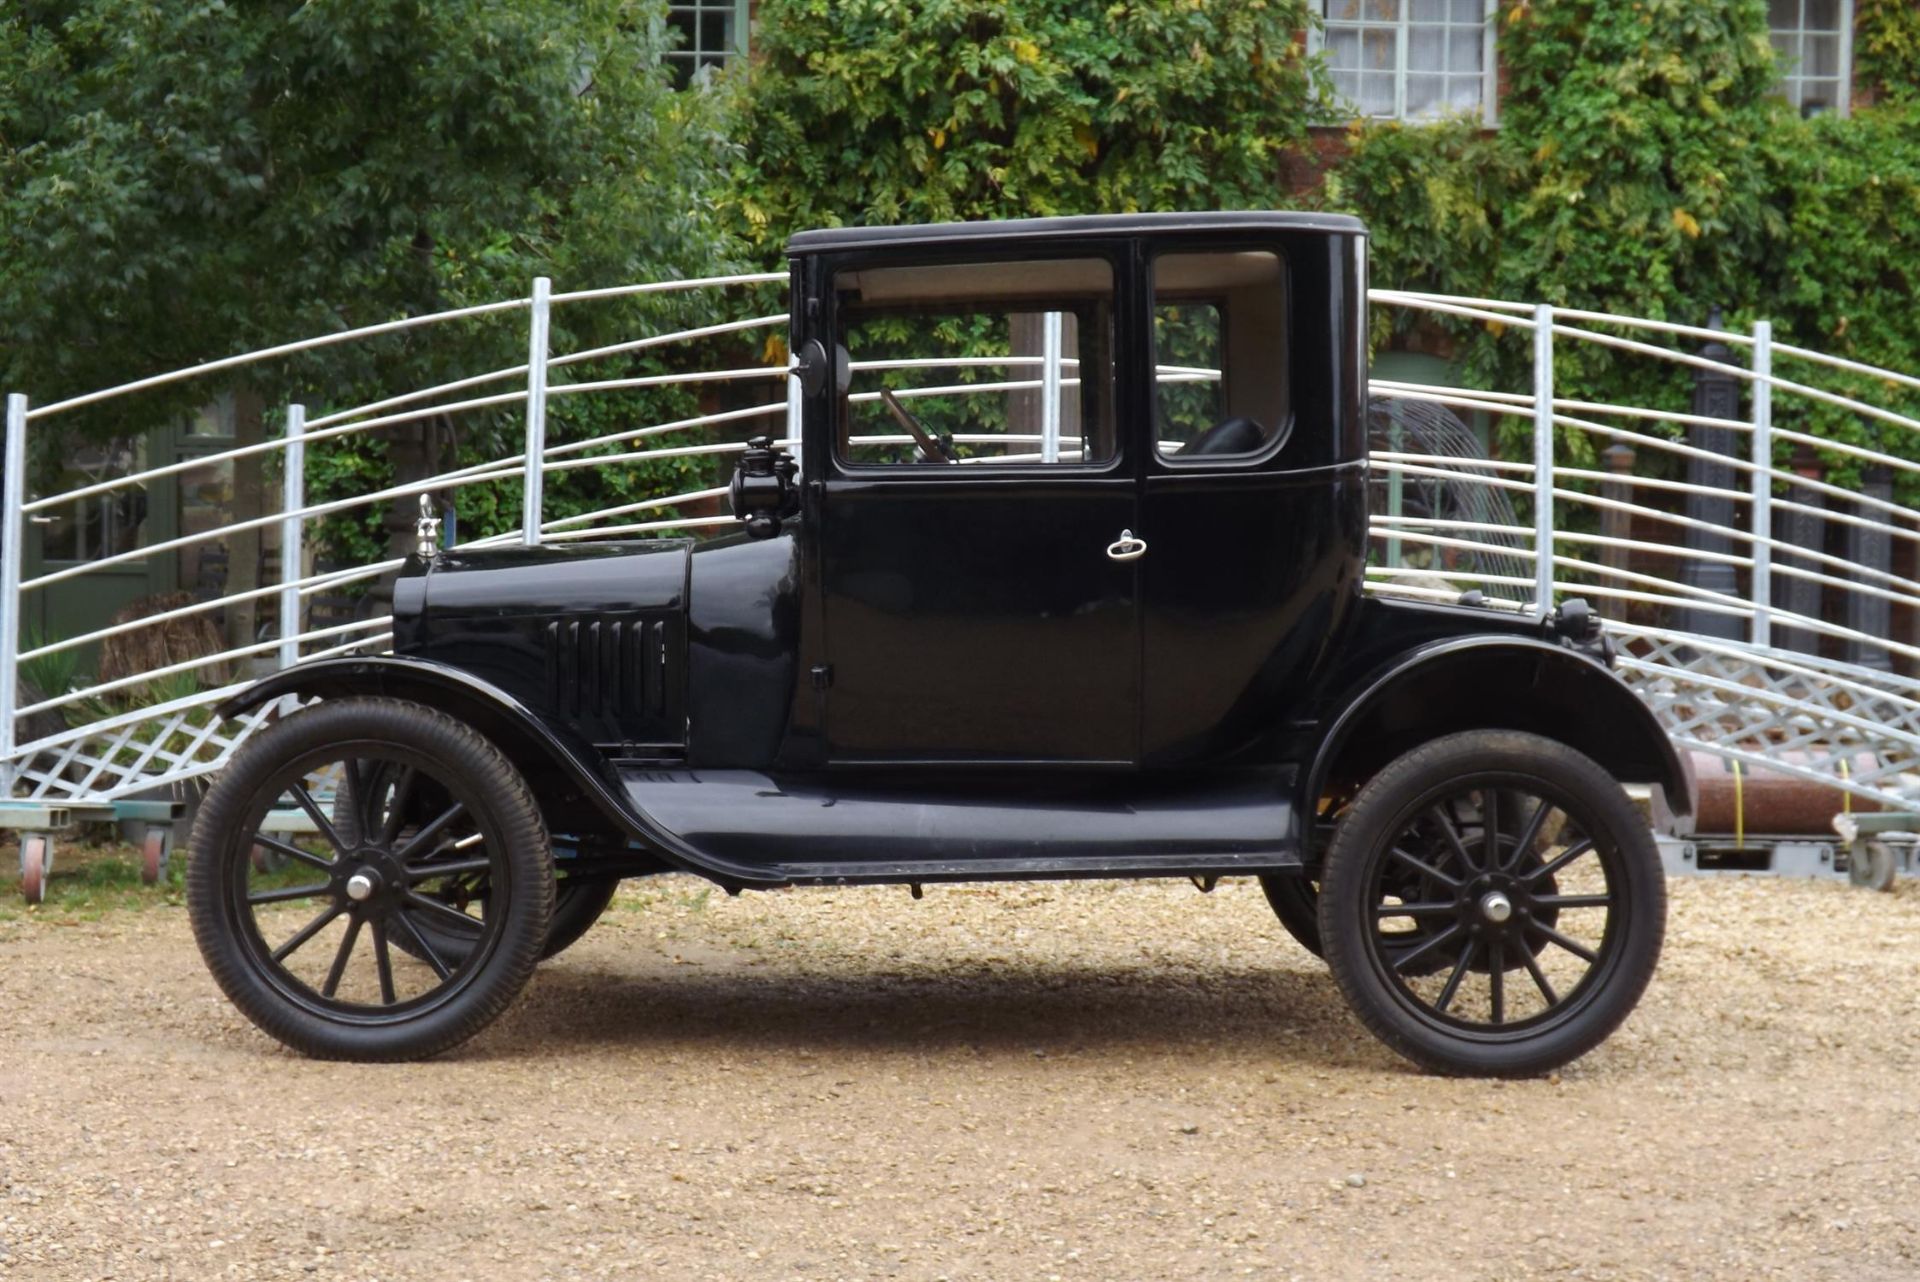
{"x":1492,"y":904}
{"x":330,"y":950}
{"x":1296,"y":902}
{"x":578,"y":900}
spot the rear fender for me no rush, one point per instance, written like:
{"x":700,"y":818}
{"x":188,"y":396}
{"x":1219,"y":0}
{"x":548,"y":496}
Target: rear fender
{"x":562,"y":769}
{"x":1495,"y":683}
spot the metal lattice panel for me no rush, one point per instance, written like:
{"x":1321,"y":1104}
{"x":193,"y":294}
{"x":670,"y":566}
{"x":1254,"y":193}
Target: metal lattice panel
{"x":1837,"y":724}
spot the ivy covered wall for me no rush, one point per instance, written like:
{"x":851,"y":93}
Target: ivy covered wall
{"x":1644,"y":166}
{"x":879,"y":111}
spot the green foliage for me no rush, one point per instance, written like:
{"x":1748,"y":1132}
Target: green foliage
{"x":51,"y":674}
{"x":183,"y":181}
{"x":1886,"y":49}
{"x":1847,"y":277}
{"x":1632,"y":172}
{"x":880,"y":111}
{"x":1434,"y":197}
{"x":1642,"y":121}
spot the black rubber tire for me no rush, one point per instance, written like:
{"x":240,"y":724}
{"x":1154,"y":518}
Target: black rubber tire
{"x":1296,"y":902}
{"x":577,"y":905}
{"x":1377,"y":817}
{"x":493,"y":792}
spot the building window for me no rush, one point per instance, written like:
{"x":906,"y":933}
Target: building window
{"x":1813,"y":43}
{"x":706,"y":33}
{"x":1411,"y":59}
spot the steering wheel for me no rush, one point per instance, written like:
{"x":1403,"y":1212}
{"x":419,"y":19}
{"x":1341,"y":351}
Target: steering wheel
{"x":931,"y":447}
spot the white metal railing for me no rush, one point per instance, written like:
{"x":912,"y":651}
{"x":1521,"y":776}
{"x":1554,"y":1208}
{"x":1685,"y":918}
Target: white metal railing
{"x":1815,"y":664}
{"x":1694,"y":596}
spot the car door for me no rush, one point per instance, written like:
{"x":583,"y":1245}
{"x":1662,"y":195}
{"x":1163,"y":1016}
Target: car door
{"x":979,"y":587}
{"x":1251,"y":497}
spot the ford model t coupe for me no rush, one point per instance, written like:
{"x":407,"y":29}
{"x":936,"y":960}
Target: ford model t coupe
{"x":1065,"y":581}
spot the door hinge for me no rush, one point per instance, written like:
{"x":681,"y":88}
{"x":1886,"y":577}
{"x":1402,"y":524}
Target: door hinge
{"x":822,"y":675}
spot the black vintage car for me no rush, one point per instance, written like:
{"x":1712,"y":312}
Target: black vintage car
{"x":1069,"y":585}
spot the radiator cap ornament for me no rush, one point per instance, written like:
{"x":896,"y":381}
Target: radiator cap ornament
{"x":426,"y":530}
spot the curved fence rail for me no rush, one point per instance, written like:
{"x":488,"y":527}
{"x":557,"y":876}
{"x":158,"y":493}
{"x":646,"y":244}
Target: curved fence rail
{"x":1768,"y":613}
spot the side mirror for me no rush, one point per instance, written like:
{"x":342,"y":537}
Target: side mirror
{"x":763,"y":492}
{"x":812,"y":367}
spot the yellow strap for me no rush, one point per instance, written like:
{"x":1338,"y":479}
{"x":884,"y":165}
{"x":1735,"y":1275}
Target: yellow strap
{"x":1739,"y":811}
{"x":1846,"y":798}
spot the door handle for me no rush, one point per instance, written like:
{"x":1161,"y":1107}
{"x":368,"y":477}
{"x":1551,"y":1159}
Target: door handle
{"x":1126,"y":547}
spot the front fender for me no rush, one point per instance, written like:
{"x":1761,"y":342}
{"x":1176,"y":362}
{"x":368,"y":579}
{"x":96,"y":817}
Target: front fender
{"x":560,"y":766}
{"x":1494,"y":683}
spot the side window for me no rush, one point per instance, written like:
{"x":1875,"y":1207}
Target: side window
{"x":978,"y":364}
{"x":1220,"y":354}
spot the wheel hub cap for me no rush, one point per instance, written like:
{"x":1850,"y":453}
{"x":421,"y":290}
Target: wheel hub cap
{"x":1496,"y":907}
{"x":361,"y":885}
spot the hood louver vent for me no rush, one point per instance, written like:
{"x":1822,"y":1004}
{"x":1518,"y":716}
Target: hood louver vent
{"x":612,"y":667}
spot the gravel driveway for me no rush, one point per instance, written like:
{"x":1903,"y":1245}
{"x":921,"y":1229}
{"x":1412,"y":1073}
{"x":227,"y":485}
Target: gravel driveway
{"x":1090,"y":1082}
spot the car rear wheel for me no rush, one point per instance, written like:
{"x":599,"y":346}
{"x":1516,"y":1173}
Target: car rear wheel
{"x":310,"y":950}
{"x":1492,"y":904}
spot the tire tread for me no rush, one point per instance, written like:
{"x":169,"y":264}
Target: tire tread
{"x":511,"y":966}
{"x":1346,"y":862}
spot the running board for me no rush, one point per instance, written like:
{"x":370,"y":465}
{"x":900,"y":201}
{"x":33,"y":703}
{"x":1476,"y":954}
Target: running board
{"x":756,"y":829}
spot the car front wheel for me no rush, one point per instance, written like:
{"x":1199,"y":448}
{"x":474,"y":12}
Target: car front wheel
{"x":1492,"y":904}
{"x":330,"y":948}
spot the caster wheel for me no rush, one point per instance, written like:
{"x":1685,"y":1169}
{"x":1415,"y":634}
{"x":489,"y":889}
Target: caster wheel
{"x":36,"y":865}
{"x":313,"y":953}
{"x":155,"y":847}
{"x":265,"y":860}
{"x":1873,"y":867}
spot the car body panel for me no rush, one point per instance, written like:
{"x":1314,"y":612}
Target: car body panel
{"x":825,"y":827}
{"x":980,"y":621}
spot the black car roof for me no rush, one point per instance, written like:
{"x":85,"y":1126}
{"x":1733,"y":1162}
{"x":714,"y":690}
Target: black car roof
{"x":1219,"y":222}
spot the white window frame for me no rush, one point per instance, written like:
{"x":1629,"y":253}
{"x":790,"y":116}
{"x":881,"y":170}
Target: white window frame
{"x":691,"y":53}
{"x":1792,"y":78}
{"x":1489,"y":67}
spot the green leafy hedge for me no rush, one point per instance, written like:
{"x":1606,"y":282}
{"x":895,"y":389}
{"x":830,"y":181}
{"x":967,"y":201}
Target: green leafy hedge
{"x":182,"y":181}
{"x":1644,"y":165}
{"x":881,"y":111}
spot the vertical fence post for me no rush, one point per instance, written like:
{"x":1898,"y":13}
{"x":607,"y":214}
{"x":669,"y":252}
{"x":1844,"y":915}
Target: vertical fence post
{"x":1806,"y":530}
{"x":1050,"y":388}
{"x":1543,"y":456}
{"x":13,"y":529}
{"x":536,"y":410}
{"x":1615,"y":523}
{"x":1396,"y":483}
{"x":795,"y":406}
{"x":1713,"y":491}
{"x":293,"y":497}
{"x":1761,"y":590}
{"x":1870,"y":545}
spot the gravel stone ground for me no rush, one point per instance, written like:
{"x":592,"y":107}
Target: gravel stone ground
{"x":1084,"y":1082}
